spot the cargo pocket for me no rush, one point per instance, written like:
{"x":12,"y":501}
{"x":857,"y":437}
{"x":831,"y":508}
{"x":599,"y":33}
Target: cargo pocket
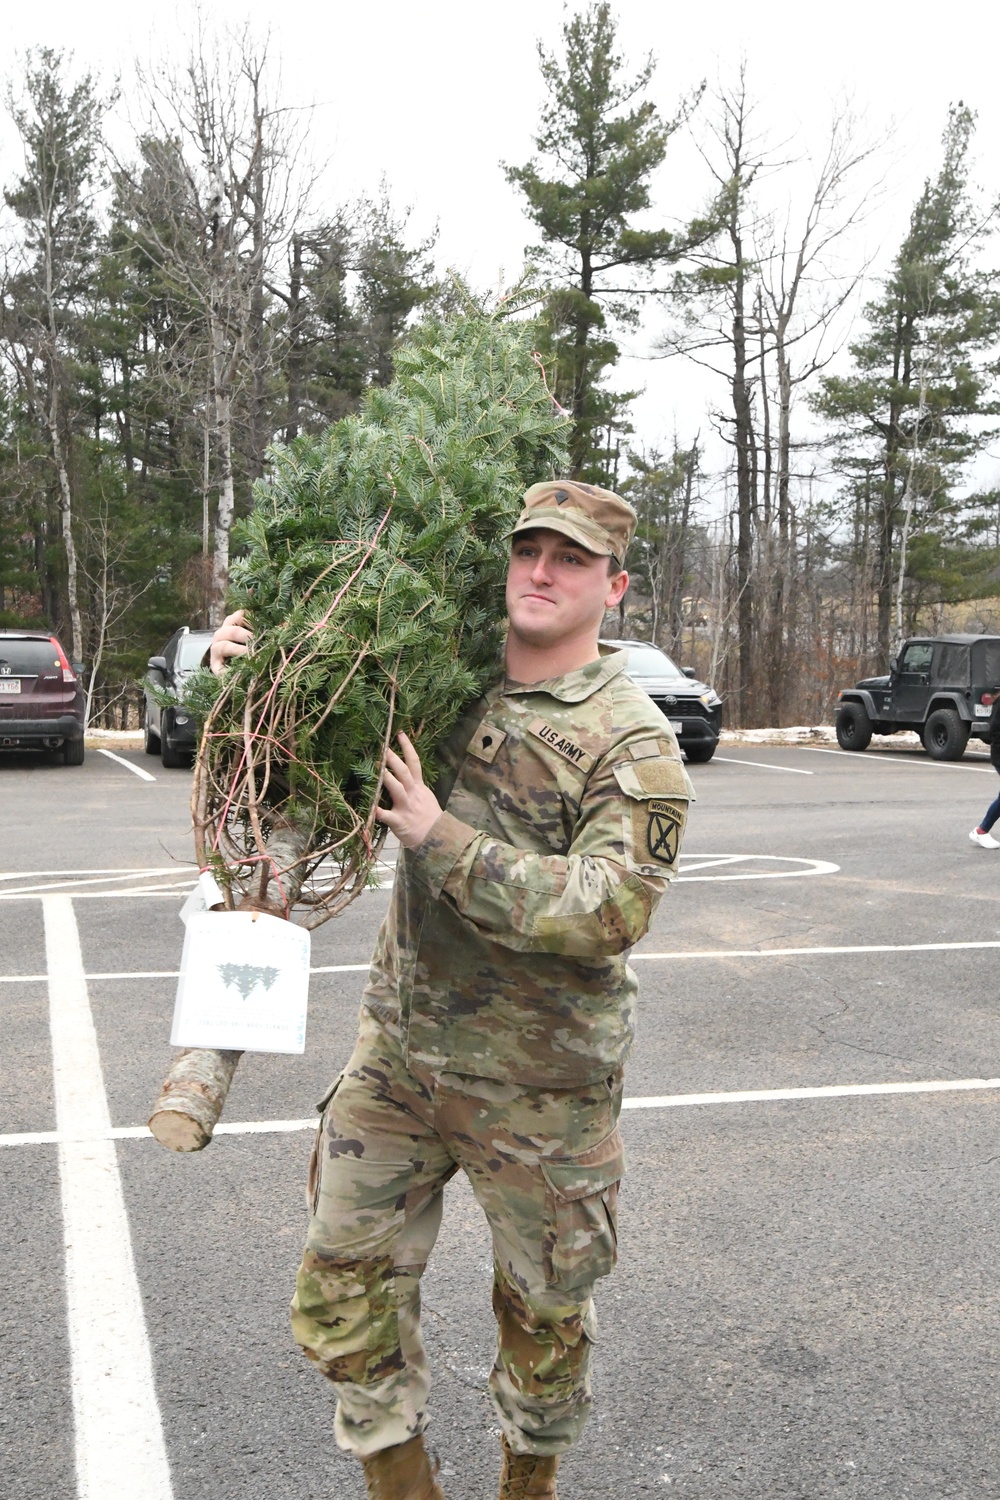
{"x":582,"y":1210}
{"x":312,"y":1180}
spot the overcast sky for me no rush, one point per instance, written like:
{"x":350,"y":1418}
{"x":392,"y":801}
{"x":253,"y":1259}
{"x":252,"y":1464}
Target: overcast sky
{"x":434,"y":95}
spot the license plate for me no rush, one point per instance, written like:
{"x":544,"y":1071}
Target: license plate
{"x":982,"y":710}
{"x":676,"y":724}
{"x":10,"y":684}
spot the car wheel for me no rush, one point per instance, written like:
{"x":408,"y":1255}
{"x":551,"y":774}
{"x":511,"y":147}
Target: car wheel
{"x":73,"y":752}
{"x":945,"y":735}
{"x":150,"y":739}
{"x":698,"y":754}
{"x":854,"y":728}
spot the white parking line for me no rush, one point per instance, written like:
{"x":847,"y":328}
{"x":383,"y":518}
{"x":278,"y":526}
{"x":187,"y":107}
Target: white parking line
{"x":647,"y":1101}
{"x":634,"y":958}
{"x":76,"y":882}
{"x":811,"y":952}
{"x":137,"y":895}
{"x":119,"y":1440}
{"x":824,"y":1091}
{"x":762,"y":765}
{"x":801,"y":867}
{"x":63,"y":874}
{"x":169,"y":973}
{"x":129,"y":765}
{"x":890,"y":758}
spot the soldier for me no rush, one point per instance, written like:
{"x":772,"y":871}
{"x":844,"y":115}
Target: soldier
{"x":497,"y":1018}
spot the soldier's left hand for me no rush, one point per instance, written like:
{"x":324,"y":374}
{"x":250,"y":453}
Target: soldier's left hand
{"x":415,"y":809}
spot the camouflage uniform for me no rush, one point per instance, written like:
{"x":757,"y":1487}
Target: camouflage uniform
{"x":495,"y":1023}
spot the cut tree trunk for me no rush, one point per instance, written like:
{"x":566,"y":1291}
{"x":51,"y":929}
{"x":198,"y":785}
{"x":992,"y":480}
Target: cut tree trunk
{"x":191,"y":1100}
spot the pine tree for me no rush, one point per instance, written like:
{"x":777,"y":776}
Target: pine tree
{"x":59,"y":127}
{"x":921,"y":384}
{"x":373,"y":577}
{"x":601,"y":142}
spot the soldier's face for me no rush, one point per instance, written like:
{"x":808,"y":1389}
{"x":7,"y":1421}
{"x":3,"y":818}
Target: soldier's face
{"x":556,"y":589}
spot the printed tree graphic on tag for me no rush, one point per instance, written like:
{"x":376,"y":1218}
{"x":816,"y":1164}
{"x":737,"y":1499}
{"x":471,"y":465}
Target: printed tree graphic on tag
{"x":243,"y":977}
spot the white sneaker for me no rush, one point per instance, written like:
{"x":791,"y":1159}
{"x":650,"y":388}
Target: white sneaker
{"x":984,"y":840}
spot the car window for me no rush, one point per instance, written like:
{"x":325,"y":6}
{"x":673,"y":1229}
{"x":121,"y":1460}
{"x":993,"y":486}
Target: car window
{"x":953,"y":665}
{"x":917,"y":658}
{"x":192,"y":649}
{"x":27,"y":658}
{"x":648,"y":661}
{"x":986,"y":655}
{"x":170,"y":650}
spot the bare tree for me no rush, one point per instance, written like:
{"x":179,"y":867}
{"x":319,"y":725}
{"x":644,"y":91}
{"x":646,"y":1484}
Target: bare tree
{"x":801,"y":296}
{"x":761,"y":308}
{"x":211,"y":202}
{"x":113,"y":589}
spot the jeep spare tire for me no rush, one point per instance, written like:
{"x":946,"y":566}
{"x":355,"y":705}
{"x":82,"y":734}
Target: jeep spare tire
{"x":945,"y":735}
{"x":854,"y":728}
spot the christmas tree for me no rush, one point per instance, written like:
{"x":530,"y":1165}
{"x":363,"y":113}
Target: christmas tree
{"x":373,"y":578}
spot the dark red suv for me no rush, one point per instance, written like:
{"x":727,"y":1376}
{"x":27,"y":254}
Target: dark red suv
{"x":42,"y":705}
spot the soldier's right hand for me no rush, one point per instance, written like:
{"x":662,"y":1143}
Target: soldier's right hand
{"x":232,"y":638}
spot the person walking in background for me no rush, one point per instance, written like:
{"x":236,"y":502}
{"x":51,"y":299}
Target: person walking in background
{"x":981,"y":835}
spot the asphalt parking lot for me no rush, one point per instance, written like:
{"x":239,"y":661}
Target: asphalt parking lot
{"x":806,"y":1303}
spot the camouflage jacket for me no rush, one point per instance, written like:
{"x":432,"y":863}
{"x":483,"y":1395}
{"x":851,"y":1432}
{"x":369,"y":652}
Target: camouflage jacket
{"x":503,"y":952}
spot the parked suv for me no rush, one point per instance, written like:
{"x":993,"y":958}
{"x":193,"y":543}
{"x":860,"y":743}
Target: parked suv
{"x":935,"y":686}
{"x":42,"y":705}
{"x":693,"y":708}
{"x":171,"y":732}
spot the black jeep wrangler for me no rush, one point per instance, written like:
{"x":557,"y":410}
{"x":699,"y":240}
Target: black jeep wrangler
{"x":935,"y":686}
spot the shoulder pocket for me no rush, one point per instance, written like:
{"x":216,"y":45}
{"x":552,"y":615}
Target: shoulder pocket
{"x":658,"y":776}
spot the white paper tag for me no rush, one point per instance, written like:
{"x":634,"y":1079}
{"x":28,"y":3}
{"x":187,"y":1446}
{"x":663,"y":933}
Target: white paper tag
{"x":206,"y":894}
{"x":211,"y":891}
{"x":194,"y":905}
{"x":243,"y":984}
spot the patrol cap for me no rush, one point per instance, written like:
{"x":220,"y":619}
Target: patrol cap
{"x":597,"y":519}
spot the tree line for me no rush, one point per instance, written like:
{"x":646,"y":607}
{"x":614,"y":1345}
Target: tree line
{"x":170,"y":309}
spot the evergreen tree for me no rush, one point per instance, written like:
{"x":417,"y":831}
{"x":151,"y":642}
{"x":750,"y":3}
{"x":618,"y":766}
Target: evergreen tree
{"x":395,"y":280}
{"x":45,"y":297}
{"x":600,"y":142}
{"x":373,"y":579}
{"x":916,"y":400}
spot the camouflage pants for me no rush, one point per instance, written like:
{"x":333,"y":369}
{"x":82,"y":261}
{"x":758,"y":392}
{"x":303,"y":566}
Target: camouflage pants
{"x":544,"y":1165}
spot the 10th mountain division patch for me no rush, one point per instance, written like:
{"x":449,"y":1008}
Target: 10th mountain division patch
{"x":663,"y":831}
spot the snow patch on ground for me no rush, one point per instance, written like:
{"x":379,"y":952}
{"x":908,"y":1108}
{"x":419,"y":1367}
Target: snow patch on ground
{"x":112,"y":737}
{"x":806,"y":734}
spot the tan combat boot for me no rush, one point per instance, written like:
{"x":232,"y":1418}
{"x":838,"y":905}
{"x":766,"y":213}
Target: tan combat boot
{"x":526,"y":1476}
{"x":403,"y":1472}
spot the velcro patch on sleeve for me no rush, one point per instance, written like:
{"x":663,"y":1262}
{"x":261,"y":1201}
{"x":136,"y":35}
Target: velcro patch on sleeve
{"x":486,"y":742}
{"x":646,"y":749}
{"x":561,"y":744}
{"x":659,"y":776}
